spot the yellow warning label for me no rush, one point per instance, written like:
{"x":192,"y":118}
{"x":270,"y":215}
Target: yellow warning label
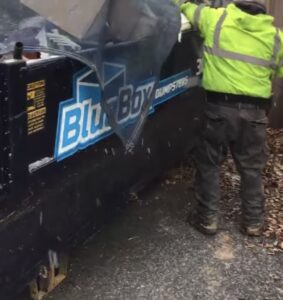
{"x":36,"y":85}
{"x":36,"y":97}
{"x":36,"y":120}
{"x":37,"y":113}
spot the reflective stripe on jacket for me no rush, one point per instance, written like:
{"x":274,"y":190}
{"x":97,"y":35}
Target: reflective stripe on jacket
{"x":242,"y":52}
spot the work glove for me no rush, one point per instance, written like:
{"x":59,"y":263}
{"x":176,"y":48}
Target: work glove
{"x":178,"y":2}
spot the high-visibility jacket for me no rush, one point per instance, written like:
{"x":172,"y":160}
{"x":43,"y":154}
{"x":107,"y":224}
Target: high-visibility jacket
{"x":242,"y":52}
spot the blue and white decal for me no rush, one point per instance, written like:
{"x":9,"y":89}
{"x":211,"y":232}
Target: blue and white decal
{"x":81,"y":121}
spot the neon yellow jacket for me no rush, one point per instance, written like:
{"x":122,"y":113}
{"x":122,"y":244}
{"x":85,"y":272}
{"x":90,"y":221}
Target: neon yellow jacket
{"x":242,"y":52}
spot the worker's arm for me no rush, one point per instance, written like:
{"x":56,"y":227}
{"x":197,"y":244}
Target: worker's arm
{"x":198,"y":15}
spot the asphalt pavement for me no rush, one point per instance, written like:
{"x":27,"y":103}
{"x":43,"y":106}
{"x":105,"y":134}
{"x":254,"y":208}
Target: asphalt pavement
{"x":149,"y":251}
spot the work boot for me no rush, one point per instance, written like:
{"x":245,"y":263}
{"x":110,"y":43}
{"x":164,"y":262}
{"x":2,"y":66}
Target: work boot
{"x":254,"y":230}
{"x":204,"y":224}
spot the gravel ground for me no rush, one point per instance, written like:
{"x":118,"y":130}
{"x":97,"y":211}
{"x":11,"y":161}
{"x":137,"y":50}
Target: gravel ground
{"x":150,"y":252}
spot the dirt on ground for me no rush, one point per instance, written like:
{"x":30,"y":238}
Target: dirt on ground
{"x":273,"y":182}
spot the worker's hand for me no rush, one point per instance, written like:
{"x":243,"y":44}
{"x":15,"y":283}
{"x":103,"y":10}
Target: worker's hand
{"x":178,"y":2}
{"x":207,"y":2}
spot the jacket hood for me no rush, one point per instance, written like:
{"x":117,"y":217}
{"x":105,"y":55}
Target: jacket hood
{"x":249,"y":22}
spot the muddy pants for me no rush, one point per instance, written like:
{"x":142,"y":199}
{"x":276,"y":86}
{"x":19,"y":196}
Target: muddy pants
{"x":242,"y":129}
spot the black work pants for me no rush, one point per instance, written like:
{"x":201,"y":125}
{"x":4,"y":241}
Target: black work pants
{"x":242,"y":128}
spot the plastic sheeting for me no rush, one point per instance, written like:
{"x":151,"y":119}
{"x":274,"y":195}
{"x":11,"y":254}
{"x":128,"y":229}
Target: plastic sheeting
{"x":124,"y":41}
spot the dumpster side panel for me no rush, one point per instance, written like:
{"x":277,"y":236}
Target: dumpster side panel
{"x":54,"y":204}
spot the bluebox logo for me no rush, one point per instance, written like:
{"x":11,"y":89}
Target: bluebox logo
{"x":81,"y":120}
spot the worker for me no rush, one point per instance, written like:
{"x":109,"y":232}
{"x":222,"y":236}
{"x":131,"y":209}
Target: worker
{"x":243,"y":51}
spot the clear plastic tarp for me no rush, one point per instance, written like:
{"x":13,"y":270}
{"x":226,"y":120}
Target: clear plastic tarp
{"x":124,"y":41}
